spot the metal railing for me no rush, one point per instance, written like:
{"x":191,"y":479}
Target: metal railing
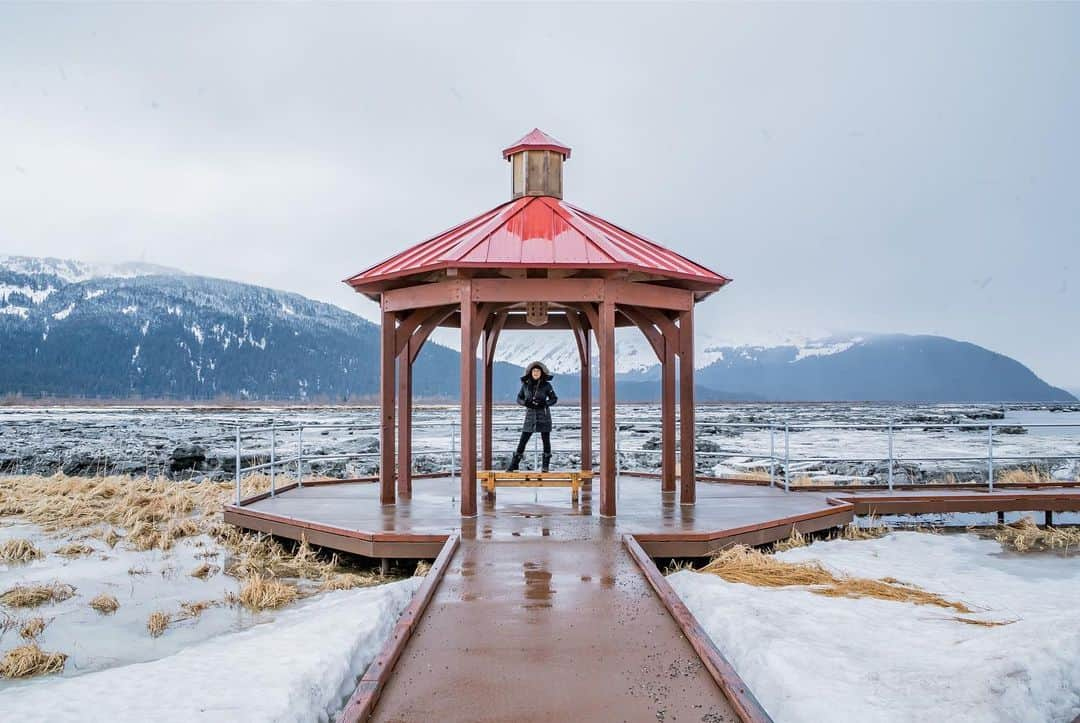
{"x":779,"y":465}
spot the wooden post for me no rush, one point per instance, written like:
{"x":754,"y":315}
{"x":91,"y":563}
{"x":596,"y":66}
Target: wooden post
{"x":468,"y":402}
{"x":486,"y":401}
{"x":586,"y":401}
{"x":667,"y":417}
{"x":606,"y":343}
{"x":386,"y":408}
{"x":404,"y":421}
{"x":687,"y":473}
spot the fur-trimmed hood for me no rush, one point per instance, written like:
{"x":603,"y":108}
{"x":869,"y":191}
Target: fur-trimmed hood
{"x":546,"y":375}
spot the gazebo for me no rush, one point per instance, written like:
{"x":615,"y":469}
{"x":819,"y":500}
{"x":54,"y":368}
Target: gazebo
{"x":536,"y":262}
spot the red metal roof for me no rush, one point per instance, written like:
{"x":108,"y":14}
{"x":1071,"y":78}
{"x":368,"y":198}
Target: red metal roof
{"x":536,"y":139}
{"x":538,"y":232}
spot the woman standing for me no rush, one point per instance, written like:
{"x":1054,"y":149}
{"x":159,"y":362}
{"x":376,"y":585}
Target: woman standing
{"x":536,"y":395}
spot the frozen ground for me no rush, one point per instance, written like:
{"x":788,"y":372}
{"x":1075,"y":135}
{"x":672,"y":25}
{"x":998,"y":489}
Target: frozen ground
{"x":183,"y":442}
{"x":226,"y":664}
{"x":812,"y":658}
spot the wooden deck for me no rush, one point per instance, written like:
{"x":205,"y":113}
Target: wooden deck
{"x":545,"y":612}
{"x":348,"y":516}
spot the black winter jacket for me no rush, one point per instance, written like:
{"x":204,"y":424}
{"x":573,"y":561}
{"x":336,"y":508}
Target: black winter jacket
{"x":536,"y":396}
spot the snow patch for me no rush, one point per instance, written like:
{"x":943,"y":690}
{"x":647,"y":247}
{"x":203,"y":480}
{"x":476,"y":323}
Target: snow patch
{"x":94,"y":293}
{"x":135,"y":355}
{"x":20,"y":311}
{"x":875,"y":660}
{"x":197,"y":333}
{"x":321,"y":650}
{"x":824,"y":348}
{"x":64,"y":313}
{"x":36,"y":296}
{"x":128,"y":310}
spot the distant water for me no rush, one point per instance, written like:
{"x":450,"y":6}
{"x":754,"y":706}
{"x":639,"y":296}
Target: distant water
{"x":139,"y":440}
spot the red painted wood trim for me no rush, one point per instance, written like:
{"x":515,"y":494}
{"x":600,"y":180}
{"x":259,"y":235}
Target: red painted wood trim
{"x":369,"y":536}
{"x":735,"y":689}
{"x":371,"y":684}
{"x":835,"y":506}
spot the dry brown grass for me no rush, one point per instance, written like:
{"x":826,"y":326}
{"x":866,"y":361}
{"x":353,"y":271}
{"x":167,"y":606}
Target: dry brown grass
{"x":18,"y":550}
{"x":752,"y":567}
{"x":423,"y":567}
{"x":1021,"y":476}
{"x":157,"y":623}
{"x":793,"y":541}
{"x":105,"y":604}
{"x":983,"y":623}
{"x":32,"y":628}
{"x":30,"y":596}
{"x":263,"y":593}
{"x":154,"y":512}
{"x":349,"y":580}
{"x":1026,"y":536}
{"x":195,"y":608}
{"x":74,"y":549}
{"x":872,"y":531}
{"x":204,"y":571}
{"x":29,"y":660}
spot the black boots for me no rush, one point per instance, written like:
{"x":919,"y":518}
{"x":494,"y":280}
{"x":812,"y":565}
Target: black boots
{"x":547,"y":463}
{"x":514,"y":462}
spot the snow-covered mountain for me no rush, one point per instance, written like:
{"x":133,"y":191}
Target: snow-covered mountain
{"x":634,"y":356}
{"x":74,"y":329}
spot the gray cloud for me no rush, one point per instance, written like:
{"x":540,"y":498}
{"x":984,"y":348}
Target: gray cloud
{"x":851,"y":166}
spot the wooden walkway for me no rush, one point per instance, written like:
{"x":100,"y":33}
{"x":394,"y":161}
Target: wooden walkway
{"x":543,"y":615}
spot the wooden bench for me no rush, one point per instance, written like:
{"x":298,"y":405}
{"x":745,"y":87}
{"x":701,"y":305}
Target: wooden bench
{"x":491,"y":478}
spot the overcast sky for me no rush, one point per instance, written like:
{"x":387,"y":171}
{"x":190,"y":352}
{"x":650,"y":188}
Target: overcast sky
{"x":882,"y":168}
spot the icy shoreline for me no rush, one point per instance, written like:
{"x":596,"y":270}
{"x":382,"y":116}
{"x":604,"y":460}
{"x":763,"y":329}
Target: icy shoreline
{"x":812,"y":658}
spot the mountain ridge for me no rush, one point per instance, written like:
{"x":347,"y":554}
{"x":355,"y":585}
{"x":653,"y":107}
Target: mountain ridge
{"x":138,"y":330}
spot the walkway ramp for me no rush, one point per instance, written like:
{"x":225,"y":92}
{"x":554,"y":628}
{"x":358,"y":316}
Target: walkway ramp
{"x":528,"y":628}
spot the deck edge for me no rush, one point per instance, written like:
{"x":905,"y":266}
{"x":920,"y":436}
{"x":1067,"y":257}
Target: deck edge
{"x":734,"y":688}
{"x":373,"y":681}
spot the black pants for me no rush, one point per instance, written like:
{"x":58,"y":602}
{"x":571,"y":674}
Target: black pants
{"x":545,"y":437}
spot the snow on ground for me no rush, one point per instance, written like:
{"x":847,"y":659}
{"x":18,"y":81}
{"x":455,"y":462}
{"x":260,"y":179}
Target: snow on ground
{"x":300,"y":668}
{"x":227,"y":664}
{"x":812,"y":658}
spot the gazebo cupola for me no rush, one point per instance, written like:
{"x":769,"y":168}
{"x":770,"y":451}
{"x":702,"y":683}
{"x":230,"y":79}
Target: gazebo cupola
{"x":536,"y":161}
{"x":536,"y":261}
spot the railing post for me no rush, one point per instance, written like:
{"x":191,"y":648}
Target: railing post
{"x":890,"y":456}
{"x":787,"y":458}
{"x":990,"y":457}
{"x":299,"y":456}
{"x":273,"y":456}
{"x":618,"y":455}
{"x":772,"y":456}
{"x":453,"y":459}
{"x":238,"y":465}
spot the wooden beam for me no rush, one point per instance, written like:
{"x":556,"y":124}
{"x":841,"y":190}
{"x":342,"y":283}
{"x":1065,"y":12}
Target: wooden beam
{"x":630,"y":293}
{"x":431,"y":323}
{"x":491,"y":339}
{"x":404,"y":422}
{"x":650,"y":332}
{"x":663,"y":322}
{"x":606,"y":343}
{"x":513,"y":290}
{"x":414,"y":297}
{"x":581,"y":334}
{"x":409,"y":324}
{"x":468,"y":402}
{"x":687,"y":471}
{"x":386,"y":408}
{"x":667,"y":417}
